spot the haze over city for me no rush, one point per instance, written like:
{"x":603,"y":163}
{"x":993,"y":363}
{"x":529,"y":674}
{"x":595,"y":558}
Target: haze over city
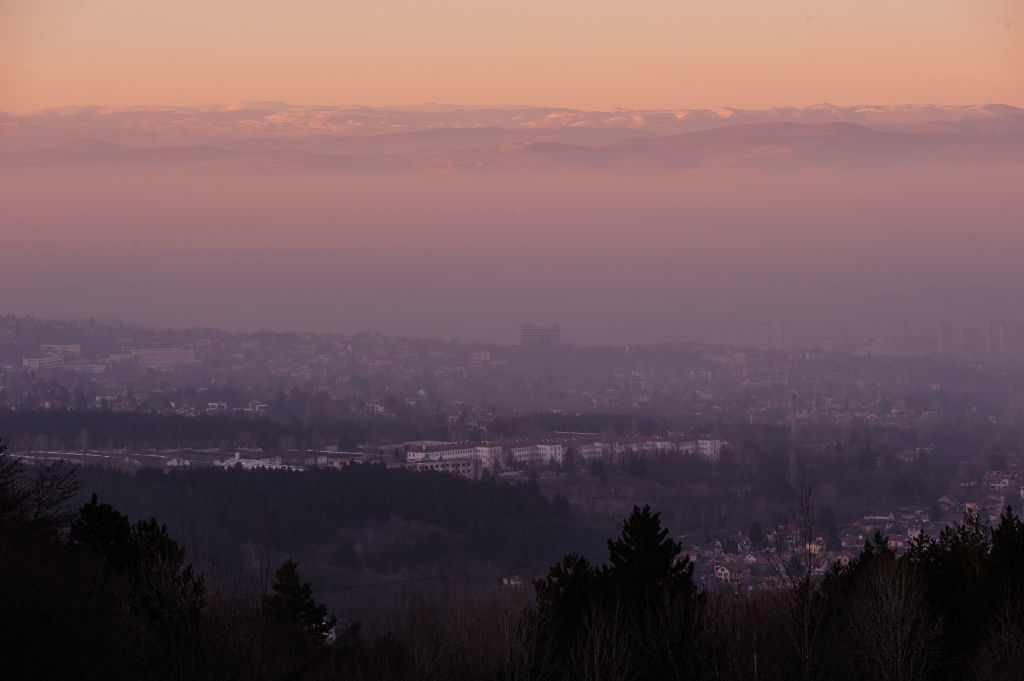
{"x":624,"y":227}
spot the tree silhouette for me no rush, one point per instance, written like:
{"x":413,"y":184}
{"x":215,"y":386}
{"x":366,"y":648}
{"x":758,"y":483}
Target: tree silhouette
{"x":655,"y":594}
{"x":756,"y":534}
{"x":292,"y":603}
{"x":102,"y":529}
{"x":643,"y":559}
{"x":636,"y":615}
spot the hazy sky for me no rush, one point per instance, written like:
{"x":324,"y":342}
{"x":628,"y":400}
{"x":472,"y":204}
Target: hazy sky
{"x":576,"y":53}
{"x":615,"y":257}
{"x":615,"y":253}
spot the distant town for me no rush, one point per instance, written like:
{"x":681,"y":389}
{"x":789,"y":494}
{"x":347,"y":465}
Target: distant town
{"x":90,"y":365}
{"x":698,"y":397}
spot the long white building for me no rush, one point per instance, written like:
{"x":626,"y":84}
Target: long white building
{"x":422,"y":451}
{"x":422,"y":454}
{"x":41,"y":362}
{"x":162,"y":359}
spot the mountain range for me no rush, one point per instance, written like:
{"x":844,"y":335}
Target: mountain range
{"x":277,"y":136}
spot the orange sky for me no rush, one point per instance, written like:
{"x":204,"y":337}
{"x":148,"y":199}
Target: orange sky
{"x":576,"y":53}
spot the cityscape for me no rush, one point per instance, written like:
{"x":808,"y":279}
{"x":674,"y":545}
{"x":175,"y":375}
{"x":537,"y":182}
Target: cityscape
{"x":683,"y":401}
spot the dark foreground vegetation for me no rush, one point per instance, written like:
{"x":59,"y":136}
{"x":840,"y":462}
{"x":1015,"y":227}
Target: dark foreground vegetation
{"x":86,"y":593}
{"x":362,"y":523}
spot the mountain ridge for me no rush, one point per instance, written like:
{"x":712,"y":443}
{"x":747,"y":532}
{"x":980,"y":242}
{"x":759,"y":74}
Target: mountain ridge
{"x":996,"y":139}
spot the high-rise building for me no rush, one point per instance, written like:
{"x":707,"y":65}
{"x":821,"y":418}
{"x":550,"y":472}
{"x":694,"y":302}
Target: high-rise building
{"x":773,"y":336}
{"x":535,"y":336}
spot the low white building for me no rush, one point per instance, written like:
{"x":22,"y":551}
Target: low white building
{"x":66,"y":350}
{"x":469,"y":468}
{"x":705,"y":448}
{"x":523,"y":453}
{"x":162,"y":359}
{"x":488,"y":455}
{"x":42,"y":362}
{"x":550,"y":453}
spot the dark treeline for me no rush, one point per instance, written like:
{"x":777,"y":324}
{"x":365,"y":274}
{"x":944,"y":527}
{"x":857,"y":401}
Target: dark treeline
{"x":353,"y":523}
{"x":951,"y":607}
{"x":88,"y":593}
{"x":74,"y":429}
{"x":293,"y":425}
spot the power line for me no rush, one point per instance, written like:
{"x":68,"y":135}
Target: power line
{"x":410,"y":580}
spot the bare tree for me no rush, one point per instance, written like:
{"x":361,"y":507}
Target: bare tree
{"x":420,"y":629}
{"x":261,"y":558}
{"x":603,"y":651}
{"x":478,"y":629}
{"x":804,"y":615}
{"x":731,"y":635}
{"x":527,"y":659}
{"x":39,"y":502}
{"x":891,"y":631}
{"x":1002,"y":656}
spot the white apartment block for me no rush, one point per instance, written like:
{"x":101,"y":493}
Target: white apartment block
{"x":706,"y":449}
{"x":40,"y":362}
{"x":544,"y":452}
{"x":162,"y":359}
{"x":489,"y":455}
{"x":65,"y":350}
{"x":523,"y":453}
{"x":550,"y":452}
{"x":467,"y":469}
{"x":423,"y":451}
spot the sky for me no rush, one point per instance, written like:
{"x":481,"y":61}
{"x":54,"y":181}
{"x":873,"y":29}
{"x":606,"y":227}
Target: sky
{"x":614,"y":257}
{"x":253,"y":223}
{"x":591,"y":54}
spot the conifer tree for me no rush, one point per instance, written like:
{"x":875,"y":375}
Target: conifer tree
{"x":292,"y":602}
{"x":643,"y":559}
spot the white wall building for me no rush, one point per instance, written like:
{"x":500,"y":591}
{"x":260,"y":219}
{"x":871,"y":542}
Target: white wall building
{"x":162,"y":359}
{"x":706,"y":449}
{"x":40,"y":362}
{"x":65,"y":350}
{"x":420,"y":451}
{"x":523,"y":453}
{"x":550,"y":453}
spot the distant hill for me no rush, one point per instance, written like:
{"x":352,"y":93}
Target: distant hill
{"x":585,"y":141}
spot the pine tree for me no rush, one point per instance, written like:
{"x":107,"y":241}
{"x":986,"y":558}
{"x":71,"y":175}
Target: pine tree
{"x":657,"y":596}
{"x":643,"y":559}
{"x":292,"y":603}
{"x":102,"y":529}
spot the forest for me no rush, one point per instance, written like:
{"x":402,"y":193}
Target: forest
{"x":106,"y":429}
{"x":90,"y":592}
{"x":856,"y":467}
{"x":361,"y":523}
{"x":299,"y":421}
